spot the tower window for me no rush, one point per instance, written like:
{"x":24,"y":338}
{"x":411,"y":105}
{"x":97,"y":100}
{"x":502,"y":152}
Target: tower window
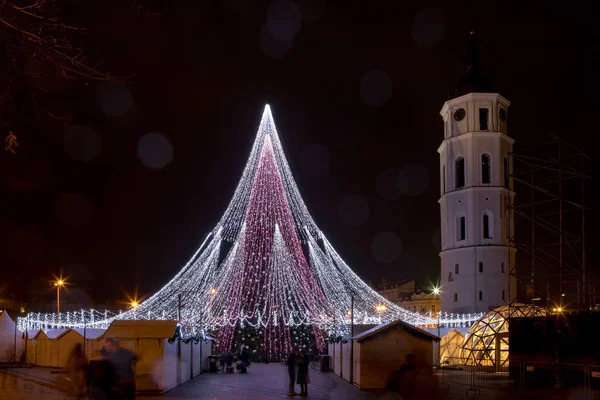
{"x":485,"y":168}
{"x":506,"y":172}
{"x":502,"y":267}
{"x":433,"y":308}
{"x":480,"y":267}
{"x":443,"y":179}
{"x":460,"y":173}
{"x":486,"y":226}
{"x":455,"y":297}
{"x":456,"y":269}
{"x":483,"y":119}
{"x":480,"y":295}
{"x":450,"y":277}
{"x":462,"y":228}
{"x":503,"y":295}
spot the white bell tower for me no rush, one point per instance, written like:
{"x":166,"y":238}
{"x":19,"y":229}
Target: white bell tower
{"x":476,"y":255}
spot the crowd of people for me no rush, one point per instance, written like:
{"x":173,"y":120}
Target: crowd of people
{"x":107,"y":376}
{"x":241,"y":360}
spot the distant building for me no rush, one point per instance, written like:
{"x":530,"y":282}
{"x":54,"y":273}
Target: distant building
{"x":406,"y":294}
{"x":13,"y":306}
{"x":421,"y":302}
{"x":396,"y":291}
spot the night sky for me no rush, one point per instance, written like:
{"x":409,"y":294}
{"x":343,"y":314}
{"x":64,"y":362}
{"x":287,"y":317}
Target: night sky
{"x":355,"y":95}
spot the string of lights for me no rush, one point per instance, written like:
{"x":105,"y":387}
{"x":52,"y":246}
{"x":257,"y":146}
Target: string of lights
{"x":265,"y":265}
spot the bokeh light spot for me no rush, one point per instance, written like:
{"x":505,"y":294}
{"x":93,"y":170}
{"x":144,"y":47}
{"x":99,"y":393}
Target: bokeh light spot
{"x":429,"y":27}
{"x":386,"y":184}
{"x":74,"y":209}
{"x":272,"y":47}
{"x":283,"y":20}
{"x":413,"y":179}
{"x":386,"y":247}
{"x":376,"y":88}
{"x":82,"y":143}
{"x":115,"y":99}
{"x":154,"y":150}
{"x":315,"y":160}
{"x":354,"y":210}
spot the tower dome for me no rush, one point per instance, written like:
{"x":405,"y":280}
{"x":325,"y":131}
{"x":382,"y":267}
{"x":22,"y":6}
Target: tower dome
{"x":473,"y":81}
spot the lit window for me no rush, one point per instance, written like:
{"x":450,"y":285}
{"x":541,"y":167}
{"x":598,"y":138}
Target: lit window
{"x":485,"y":168}
{"x":433,"y":308}
{"x":486,"y":226}
{"x":460,"y":172}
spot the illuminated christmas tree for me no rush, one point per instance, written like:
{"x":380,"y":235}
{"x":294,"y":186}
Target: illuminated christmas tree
{"x":266,"y":273}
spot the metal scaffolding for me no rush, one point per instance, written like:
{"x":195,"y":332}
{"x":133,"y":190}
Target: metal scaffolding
{"x":551,"y":185}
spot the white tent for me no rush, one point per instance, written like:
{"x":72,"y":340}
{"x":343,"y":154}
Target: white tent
{"x":11,"y":342}
{"x":450,"y":348}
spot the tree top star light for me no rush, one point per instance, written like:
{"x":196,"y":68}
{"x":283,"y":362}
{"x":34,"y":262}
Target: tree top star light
{"x":266,"y":264}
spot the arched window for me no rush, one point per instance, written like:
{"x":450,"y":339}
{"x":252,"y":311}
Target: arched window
{"x":461,"y":228}
{"x":480,"y":295}
{"x":485,"y":169}
{"x":443,"y":179}
{"x":506,"y":172}
{"x":486,"y":226}
{"x":460,"y":172}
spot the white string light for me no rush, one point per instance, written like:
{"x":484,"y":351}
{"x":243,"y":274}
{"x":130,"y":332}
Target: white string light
{"x":252,"y":270}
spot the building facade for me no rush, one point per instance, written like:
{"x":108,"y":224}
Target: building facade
{"x":422,"y":302}
{"x":475,"y":177}
{"x":396,"y":291}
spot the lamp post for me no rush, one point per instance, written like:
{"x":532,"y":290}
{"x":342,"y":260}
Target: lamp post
{"x":59,"y":283}
{"x":436,"y":293}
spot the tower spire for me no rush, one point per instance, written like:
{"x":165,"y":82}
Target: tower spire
{"x":473,"y":56}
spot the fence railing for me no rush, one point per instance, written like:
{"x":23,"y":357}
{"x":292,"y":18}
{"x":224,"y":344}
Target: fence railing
{"x":553,"y":379}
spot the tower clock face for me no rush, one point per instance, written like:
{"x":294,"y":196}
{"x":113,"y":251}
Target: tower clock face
{"x":459,"y":114}
{"x":502,"y":114}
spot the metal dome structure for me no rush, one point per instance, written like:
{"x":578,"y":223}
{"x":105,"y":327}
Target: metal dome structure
{"x":486,"y":342}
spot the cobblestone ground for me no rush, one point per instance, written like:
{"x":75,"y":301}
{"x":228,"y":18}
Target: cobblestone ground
{"x":263,"y":381}
{"x":13,"y":388}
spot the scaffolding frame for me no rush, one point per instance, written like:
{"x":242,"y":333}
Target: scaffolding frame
{"x":552,"y":178}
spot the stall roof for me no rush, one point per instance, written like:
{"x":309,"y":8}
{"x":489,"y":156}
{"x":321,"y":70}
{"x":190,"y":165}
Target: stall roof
{"x":141,"y":329}
{"x":56,"y":333}
{"x":7,"y":325}
{"x":413,"y":330}
{"x":90,"y":333}
{"x":32,"y":333}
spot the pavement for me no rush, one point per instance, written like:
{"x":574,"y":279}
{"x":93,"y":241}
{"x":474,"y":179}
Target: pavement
{"x":14,"y":387}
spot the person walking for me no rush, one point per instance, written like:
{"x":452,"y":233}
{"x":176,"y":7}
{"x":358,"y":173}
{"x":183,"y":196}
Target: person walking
{"x":291,"y":364}
{"x":77,"y":368}
{"x":123,"y":361}
{"x":303,"y":378}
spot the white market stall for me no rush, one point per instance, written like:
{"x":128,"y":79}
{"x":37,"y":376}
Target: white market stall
{"x":11,"y":342}
{"x":30,"y":346}
{"x":93,"y":340}
{"x":41,"y":346}
{"x":157,"y":369}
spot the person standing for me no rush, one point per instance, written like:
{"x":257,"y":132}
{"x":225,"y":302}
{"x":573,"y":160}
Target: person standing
{"x":77,"y":366}
{"x":122,"y":360}
{"x":303,"y":378}
{"x":291,"y":364}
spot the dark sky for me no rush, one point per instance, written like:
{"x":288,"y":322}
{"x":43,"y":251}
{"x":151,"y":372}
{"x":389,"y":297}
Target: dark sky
{"x":202,"y":79}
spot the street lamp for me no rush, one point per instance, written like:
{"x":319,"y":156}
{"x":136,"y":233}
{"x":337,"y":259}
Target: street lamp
{"x":436,"y":293}
{"x":380,"y":308}
{"x":58,"y":283}
{"x":134,"y":304}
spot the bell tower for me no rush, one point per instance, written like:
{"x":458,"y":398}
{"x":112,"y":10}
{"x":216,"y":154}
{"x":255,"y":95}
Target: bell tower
{"x":476,"y":255}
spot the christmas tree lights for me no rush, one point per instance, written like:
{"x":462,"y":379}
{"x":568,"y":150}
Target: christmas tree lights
{"x":266,"y":269}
